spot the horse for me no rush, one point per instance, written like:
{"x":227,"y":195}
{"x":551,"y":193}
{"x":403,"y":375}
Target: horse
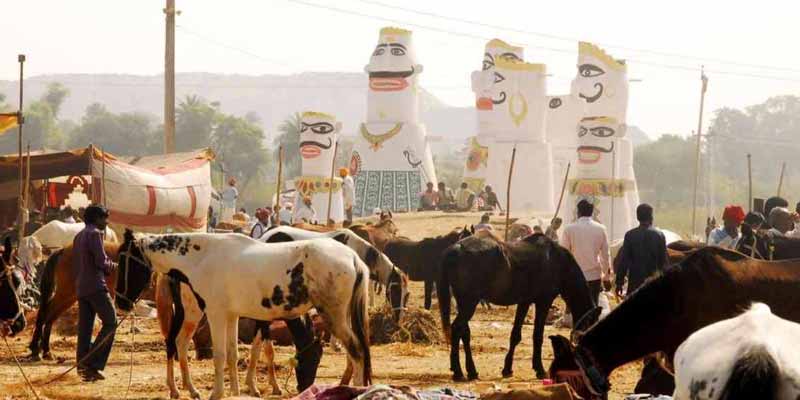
{"x":231,"y":275}
{"x":12,"y":312}
{"x":378,"y":234}
{"x":53,"y":235}
{"x":533,"y":270}
{"x":421,"y":259}
{"x":712,"y":284}
{"x":751,"y":356}
{"x":767,"y":246}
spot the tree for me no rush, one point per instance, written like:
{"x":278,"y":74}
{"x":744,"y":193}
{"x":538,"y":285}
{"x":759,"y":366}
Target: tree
{"x":123,"y":134}
{"x":40,"y":130}
{"x":289,"y":137}
{"x":54,"y":96}
{"x":239,"y":145}
{"x":195,"y":121}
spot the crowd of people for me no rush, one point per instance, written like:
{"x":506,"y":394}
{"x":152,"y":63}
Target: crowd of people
{"x":464,"y":199}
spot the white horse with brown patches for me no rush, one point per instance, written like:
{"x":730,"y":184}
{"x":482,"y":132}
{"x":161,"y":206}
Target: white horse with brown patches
{"x":232,"y":275}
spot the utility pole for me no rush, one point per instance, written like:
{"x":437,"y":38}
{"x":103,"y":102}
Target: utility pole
{"x":704,"y":80}
{"x":20,"y":122}
{"x":169,"y":79}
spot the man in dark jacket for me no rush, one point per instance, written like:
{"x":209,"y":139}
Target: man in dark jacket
{"x":644,"y":252}
{"x":93,"y":266}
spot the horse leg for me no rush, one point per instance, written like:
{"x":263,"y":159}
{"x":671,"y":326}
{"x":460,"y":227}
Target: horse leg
{"x":542,"y":309}
{"x":428,"y":293}
{"x":269,"y":353}
{"x":57,"y":309}
{"x":516,"y":337}
{"x":340,"y":327}
{"x":182,"y":343}
{"x":456,"y":332}
{"x":232,"y":334}
{"x":217,"y":321}
{"x":255,"y":352}
{"x":468,"y":312}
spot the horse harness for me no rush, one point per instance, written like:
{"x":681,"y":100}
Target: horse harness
{"x":770,"y":249}
{"x":143,"y":261}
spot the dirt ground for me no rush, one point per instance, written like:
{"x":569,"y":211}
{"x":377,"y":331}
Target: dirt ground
{"x":406,"y":364}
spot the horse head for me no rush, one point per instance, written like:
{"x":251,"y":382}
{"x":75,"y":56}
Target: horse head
{"x":397,"y":292}
{"x":12,"y":313}
{"x":134,"y":273}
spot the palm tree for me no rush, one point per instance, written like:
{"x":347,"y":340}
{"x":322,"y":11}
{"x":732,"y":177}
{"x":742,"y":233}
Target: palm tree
{"x":289,"y":137}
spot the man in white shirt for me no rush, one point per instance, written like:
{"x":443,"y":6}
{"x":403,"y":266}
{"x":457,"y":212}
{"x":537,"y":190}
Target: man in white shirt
{"x":229,"y":196}
{"x":587,"y":241}
{"x":348,"y":194}
{"x":286,"y":214}
{"x":781,"y":221}
{"x":262,"y":224}
{"x":728,"y":236}
{"x":305,"y":212}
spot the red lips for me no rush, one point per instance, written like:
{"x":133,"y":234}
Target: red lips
{"x":387,"y":84}
{"x":484,"y":103}
{"x":310,"y":151}
{"x":587,"y":156}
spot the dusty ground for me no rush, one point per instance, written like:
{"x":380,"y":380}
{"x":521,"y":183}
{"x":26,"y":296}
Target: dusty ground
{"x":419,"y":366}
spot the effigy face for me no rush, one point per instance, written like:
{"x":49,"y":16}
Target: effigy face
{"x":318,"y":135}
{"x":602,"y":82}
{"x":393,"y":73}
{"x":597,"y":137}
{"x":484,"y":80}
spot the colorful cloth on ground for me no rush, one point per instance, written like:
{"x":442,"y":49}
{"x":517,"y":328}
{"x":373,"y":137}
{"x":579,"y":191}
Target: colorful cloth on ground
{"x":446,"y":394}
{"x":561,"y":391}
{"x":387,"y":190}
{"x":385,"y":392}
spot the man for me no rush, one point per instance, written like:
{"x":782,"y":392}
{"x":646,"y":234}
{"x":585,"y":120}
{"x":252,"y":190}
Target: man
{"x":586,"y":239}
{"x":728,"y":236}
{"x":780,"y":220}
{"x":306,"y":212}
{"x":465,"y":198}
{"x":261,"y":226}
{"x":552,"y":230}
{"x":93,"y":266}
{"x":484,"y":224}
{"x":447,"y":200}
{"x":348,"y":194}
{"x":286,"y":214}
{"x":644,"y":252}
{"x":229,"y":196}
{"x":428,"y":199}
{"x":490,"y":200}
{"x":755,"y":219}
{"x":771,"y":204}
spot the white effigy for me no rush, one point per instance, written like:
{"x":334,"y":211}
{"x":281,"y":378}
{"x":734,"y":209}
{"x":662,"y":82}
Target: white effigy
{"x":604,"y":155}
{"x":516,"y":118}
{"x":477,"y":163}
{"x":391,"y":159}
{"x":319,"y":133}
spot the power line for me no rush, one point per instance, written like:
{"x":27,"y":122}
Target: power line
{"x":573,"y":39}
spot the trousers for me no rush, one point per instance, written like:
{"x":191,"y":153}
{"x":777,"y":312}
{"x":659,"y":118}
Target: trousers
{"x":98,"y":304}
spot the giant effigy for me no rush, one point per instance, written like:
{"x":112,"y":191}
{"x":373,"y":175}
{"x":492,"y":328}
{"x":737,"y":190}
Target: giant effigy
{"x":319,"y":133}
{"x":391,"y":159}
{"x":512,"y":104}
{"x":603,"y":168}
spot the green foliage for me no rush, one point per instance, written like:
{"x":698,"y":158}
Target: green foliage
{"x":289,"y":138}
{"x":122,"y":134}
{"x":40,"y":130}
{"x":195,"y":120}
{"x":54,"y":96}
{"x":239,"y":145}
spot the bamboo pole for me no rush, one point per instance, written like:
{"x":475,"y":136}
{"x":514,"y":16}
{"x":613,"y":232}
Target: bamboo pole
{"x":93,"y":192}
{"x":508,"y":189}
{"x":330,"y":184}
{"x":780,"y":180}
{"x":749,"y":183}
{"x":28,"y":178}
{"x":20,"y":122}
{"x":613,"y":188}
{"x":704,"y":85}
{"x":103,"y":178}
{"x":563,"y":189}
{"x":278,"y":184}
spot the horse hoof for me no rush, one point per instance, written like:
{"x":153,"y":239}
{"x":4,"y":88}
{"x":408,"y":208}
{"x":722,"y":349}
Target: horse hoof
{"x":174,"y":395}
{"x":459,"y":378}
{"x":195,"y":395}
{"x":472,"y":377}
{"x":276,"y":392}
{"x":34,"y":357}
{"x":47,"y":356}
{"x":541,"y":374}
{"x":508,"y":373}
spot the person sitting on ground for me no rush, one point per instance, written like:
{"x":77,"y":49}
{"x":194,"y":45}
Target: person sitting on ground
{"x":244,"y":214}
{"x":465,"y":198}
{"x":586,"y":239}
{"x":263,"y":223}
{"x":306,"y":212}
{"x":552,"y":230}
{"x":490,"y":201}
{"x":428,"y":199}
{"x":643,"y":252}
{"x":728,"y":235}
{"x":780,"y":220}
{"x":484,"y":224}
{"x":755,"y":219}
{"x":286,"y":214}
{"x":447,"y":200}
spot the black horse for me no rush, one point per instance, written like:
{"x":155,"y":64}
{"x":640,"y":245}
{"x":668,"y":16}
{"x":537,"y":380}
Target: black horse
{"x":766,"y":246}
{"x":532,"y":271}
{"x":12,"y":314}
{"x":421,"y":259}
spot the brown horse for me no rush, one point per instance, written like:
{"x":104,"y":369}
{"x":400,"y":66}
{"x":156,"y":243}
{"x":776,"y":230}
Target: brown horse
{"x":12,"y":312}
{"x":766,"y":246}
{"x":712,"y":284}
{"x":378,"y":234}
{"x":534,"y":270}
{"x":421,"y":259}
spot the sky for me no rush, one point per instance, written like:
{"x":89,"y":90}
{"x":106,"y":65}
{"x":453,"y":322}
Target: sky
{"x":748,"y":48}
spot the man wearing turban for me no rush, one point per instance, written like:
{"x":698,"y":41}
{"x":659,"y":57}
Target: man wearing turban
{"x":728,"y":235}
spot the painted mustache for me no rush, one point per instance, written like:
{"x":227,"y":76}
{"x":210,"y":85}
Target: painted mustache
{"x":392,"y":74}
{"x":591,"y":154}
{"x":317,"y":144}
{"x":592,"y":99}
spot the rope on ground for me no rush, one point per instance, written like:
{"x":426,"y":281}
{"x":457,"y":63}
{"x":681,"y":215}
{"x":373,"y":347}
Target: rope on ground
{"x":22,"y":371}
{"x":133,"y":344}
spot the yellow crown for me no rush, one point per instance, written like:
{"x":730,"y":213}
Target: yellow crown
{"x":588,"y":49}
{"x":316,"y":114}
{"x":391,"y":30}
{"x":601,"y":120}
{"x":503,"y":45}
{"x":516,"y":65}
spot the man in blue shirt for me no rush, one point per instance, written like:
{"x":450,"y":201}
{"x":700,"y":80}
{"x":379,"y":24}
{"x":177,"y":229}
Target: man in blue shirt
{"x":644,"y":252}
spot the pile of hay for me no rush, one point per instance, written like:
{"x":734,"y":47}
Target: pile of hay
{"x":417,"y":325}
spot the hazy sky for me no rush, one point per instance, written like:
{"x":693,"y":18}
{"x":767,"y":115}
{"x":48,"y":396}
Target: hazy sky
{"x":289,"y":36}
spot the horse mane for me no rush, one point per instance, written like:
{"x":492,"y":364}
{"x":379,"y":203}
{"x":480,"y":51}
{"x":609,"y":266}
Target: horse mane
{"x":485,"y":233}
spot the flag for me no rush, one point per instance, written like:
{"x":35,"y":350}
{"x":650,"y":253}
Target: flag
{"x":8,"y":121}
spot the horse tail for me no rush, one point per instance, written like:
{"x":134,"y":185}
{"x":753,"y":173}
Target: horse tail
{"x":359,"y":319}
{"x":177,"y":319}
{"x":755,"y":375}
{"x":47,"y":287}
{"x":449,"y":260}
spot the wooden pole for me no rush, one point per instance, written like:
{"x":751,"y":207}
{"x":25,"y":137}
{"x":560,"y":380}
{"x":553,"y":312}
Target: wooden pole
{"x":103,"y":178}
{"x":28,"y":178}
{"x":169,"y":79}
{"x":613,"y":188}
{"x":278,"y":185}
{"x":563,"y":189}
{"x":749,"y":183}
{"x":20,"y":122}
{"x":93,"y":194}
{"x":704,"y":85}
{"x":780,"y":180}
{"x":508,"y":189}
{"x":330,"y":184}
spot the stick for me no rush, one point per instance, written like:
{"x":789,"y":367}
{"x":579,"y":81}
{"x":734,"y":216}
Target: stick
{"x":103,"y":178}
{"x":93,"y":194}
{"x":749,"y":183}
{"x":14,"y":356}
{"x":780,"y":180}
{"x":613,"y":185}
{"x":278,"y":185}
{"x":508,"y":189}
{"x":704,"y":80}
{"x":28,"y":178}
{"x":563,"y":189}
{"x":20,"y":122}
{"x":330,"y":184}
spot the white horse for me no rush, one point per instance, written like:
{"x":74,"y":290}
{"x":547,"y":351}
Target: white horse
{"x":232,"y":275}
{"x":52,"y":235}
{"x":752,"y":356}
